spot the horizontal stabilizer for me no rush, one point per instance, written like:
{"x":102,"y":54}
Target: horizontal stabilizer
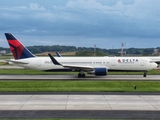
{"x":17,"y":62}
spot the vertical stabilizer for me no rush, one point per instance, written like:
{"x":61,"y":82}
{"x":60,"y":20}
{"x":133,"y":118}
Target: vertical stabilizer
{"x":19,"y":51}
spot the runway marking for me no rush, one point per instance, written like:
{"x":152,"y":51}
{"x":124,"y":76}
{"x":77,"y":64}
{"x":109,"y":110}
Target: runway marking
{"x":107,"y":102}
{"x":67,"y":102}
{"x":26,"y":102}
{"x":149,"y":102}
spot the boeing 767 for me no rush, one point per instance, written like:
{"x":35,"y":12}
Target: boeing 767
{"x":92,"y":65}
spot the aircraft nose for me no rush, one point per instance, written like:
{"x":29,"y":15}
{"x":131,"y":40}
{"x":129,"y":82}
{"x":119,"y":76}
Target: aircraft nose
{"x":158,"y":67}
{"x":154,"y":65}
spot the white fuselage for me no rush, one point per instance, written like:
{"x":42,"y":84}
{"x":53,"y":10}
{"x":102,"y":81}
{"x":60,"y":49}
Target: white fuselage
{"x":111,"y":63}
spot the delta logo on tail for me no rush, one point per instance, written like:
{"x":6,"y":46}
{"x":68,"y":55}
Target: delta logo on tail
{"x":18,"y":50}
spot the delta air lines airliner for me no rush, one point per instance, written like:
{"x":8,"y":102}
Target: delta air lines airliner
{"x":92,"y":65}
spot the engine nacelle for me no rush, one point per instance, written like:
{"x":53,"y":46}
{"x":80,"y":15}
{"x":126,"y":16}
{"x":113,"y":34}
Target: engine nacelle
{"x":99,"y":71}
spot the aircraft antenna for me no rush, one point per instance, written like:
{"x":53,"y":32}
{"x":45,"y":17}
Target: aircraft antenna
{"x":94,"y":49}
{"x":122,"y":45}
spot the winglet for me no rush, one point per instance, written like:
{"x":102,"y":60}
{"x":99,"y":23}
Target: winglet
{"x":59,"y":55}
{"x":53,"y":59}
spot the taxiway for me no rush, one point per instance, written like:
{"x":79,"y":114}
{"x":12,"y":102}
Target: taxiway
{"x":74,"y":77}
{"x":79,"y":106}
{"x":80,"y":102}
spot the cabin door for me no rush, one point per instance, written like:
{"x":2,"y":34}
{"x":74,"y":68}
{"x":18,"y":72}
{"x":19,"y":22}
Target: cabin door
{"x":113,"y":62}
{"x":142,"y":63}
{"x":39,"y":63}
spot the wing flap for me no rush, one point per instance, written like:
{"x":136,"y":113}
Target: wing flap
{"x":79,"y":67}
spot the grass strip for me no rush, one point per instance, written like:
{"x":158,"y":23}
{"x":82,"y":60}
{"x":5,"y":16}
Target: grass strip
{"x":79,"y":86}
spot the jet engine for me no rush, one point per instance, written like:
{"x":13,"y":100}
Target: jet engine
{"x":99,"y":71}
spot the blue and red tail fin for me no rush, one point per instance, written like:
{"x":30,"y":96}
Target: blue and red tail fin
{"x":18,"y":49}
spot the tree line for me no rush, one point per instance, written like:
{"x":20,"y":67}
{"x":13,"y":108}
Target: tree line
{"x":90,"y":50}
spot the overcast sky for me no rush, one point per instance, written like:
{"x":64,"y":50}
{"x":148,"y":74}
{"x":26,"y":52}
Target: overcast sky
{"x":82,"y":23}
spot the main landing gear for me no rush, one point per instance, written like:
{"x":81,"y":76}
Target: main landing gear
{"x":145,"y":74}
{"x":81,"y":74}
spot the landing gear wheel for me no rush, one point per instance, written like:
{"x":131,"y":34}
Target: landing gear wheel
{"x":81,"y":75}
{"x":145,"y":74}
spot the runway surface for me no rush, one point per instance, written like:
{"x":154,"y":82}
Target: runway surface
{"x":79,"y":106}
{"x":73,"y":77}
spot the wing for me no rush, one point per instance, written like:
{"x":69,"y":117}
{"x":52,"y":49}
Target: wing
{"x":155,"y":59}
{"x":73,"y":67}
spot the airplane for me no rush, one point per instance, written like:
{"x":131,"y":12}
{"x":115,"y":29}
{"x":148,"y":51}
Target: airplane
{"x":101,"y":65}
{"x":92,"y":65}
